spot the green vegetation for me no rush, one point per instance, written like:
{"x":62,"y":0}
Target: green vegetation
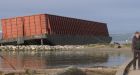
{"x":101,"y":72}
{"x":72,"y":71}
{"x":76,"y":71}
{"x":127,"y":45}
{"x":30,"y":72}
{"x":104,"y":45}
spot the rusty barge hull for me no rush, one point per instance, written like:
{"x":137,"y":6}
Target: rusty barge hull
{"x":53,"y":30}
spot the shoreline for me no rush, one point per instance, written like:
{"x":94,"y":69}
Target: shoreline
{"x":59,"y":48}
{"x":88,"y":71}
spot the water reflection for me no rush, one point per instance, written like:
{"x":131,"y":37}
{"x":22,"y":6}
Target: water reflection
{"x":60,"y":59}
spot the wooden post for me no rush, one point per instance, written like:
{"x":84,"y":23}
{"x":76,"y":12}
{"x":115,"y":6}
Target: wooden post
{"x":42,"y":42}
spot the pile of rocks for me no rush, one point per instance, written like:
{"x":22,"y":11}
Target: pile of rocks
{"x":41,"y":47}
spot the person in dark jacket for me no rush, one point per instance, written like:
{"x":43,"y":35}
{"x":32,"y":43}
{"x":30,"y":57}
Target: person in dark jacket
{"x":136,"y":49}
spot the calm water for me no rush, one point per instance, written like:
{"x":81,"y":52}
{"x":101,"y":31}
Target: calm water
{"x":62,"y":59}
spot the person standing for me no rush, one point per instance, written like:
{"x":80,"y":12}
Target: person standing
{"x":136,"y":49}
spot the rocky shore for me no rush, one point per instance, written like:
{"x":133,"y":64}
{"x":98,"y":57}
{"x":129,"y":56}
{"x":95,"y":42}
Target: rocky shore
{"x":41,"y":47}
{"x":57,"y":47}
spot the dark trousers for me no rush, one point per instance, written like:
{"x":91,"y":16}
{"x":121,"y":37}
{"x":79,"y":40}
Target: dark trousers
{"x":136,"y":57}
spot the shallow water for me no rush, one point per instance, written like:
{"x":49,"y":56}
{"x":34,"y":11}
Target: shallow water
{"x":62,"y":59}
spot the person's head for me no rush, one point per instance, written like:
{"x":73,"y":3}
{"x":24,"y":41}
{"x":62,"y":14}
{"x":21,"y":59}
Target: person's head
{"x":137,"y":34}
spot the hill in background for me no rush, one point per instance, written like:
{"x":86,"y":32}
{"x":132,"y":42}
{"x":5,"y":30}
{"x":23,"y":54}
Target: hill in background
{"x":122,"y":38}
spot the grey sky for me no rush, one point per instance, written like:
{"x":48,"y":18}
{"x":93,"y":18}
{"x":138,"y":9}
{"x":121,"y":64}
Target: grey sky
{"x":122,"y":16}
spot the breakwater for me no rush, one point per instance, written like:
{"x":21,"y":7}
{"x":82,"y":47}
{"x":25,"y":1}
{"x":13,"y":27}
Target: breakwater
{"x":41,"y":47}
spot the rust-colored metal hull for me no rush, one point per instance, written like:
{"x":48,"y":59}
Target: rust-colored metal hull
{"x":43,"y":26}
{"x":26,"y":26}
{"x":70,"y":26}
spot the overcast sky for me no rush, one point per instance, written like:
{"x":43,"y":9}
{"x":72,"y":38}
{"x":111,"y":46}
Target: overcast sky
{"x":122,"y":16}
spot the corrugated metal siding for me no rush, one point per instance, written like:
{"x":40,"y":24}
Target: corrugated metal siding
{"x":26,"y":26}
{"x":35,"y":25}
{"x":20,"y":27}
{"x":70,"y":26}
